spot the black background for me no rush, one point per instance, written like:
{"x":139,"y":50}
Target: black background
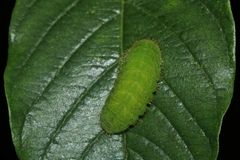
{"x":230,"y":134}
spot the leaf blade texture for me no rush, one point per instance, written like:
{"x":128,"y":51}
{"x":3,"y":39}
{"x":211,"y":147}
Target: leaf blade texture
{"x":62,"y":65}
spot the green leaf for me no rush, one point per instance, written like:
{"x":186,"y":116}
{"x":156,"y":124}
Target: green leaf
{"x":63,"y":62}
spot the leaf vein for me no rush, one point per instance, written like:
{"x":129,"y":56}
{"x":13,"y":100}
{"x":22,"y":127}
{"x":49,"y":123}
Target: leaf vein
{"x":151,"y":142}
{"x":185,"y":106}
{"x":188,"y":48}
{"x":177,"y":132}
{"x":218,"y":24}
{"x":26,"y":11}
{"x":208,"y":76}
{"x":58,"y":71}
{"x":125,"y":146}
{"x":135,"y":152}
{"x":91,"y":144}
{"x":45,"y":33}
{"x":66,"y":117}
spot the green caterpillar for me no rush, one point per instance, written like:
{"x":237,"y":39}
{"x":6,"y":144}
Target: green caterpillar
{"x":137,"y":79}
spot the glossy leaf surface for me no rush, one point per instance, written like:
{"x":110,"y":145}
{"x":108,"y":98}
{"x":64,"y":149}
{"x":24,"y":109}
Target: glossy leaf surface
{"x":62,"y":66}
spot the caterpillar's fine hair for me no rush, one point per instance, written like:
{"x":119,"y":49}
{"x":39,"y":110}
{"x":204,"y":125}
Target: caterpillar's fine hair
{"x":139,"y":72}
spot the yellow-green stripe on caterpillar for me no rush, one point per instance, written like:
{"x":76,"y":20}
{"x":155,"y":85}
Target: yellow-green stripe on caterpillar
{"x":137,"y":79}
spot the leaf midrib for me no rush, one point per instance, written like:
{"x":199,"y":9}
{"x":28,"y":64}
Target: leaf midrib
{"x":121,"y":48}
{"x":194,"y":57}
{"x":208,"y":76}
